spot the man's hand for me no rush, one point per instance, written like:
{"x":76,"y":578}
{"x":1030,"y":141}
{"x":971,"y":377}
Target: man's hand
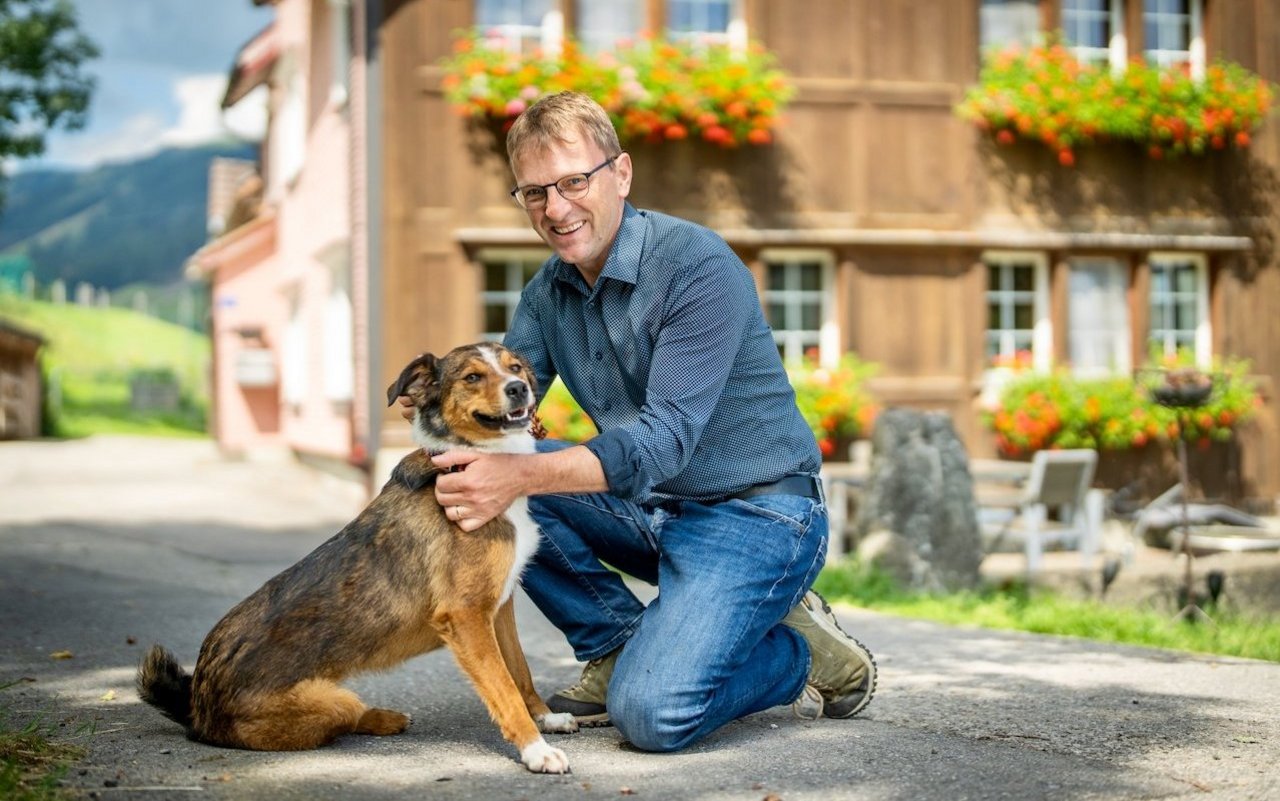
{"x":406,"y":407}
{"x":483,"y":490}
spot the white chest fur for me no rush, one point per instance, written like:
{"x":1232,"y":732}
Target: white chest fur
{"x":526,"y":543}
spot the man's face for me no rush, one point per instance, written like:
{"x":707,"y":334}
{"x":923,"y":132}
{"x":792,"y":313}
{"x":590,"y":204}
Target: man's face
{"x":579,"y":231}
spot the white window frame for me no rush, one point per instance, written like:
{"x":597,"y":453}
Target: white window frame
{"x":340,"y":28}
{"x":515,"y":260}
{"x":989,"y":13}
{"x":518,"y":37}
{"x":733,"y":34}
{"x":1042,"y":324}
{"x":794,"y":342}
{"x":338,"y":355}
{"x":1122,"y":342}
{"x":1115,"y":52}
{"x":1194,"y":55}
{"x":1203,"y":336}
{"x":596,"y":40}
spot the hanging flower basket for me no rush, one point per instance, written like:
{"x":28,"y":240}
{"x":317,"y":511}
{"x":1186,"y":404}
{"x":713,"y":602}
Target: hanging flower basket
{"x":654,"y":90}
{"x":1044,"y":94}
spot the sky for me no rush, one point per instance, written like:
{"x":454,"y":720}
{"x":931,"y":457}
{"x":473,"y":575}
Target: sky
{"x":161,"y":75}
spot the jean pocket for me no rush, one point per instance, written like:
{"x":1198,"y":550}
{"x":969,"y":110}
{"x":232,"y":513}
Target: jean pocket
{"x":794,"y":511}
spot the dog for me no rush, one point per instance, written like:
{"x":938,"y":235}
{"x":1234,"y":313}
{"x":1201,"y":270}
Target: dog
{"x":398,"y":581}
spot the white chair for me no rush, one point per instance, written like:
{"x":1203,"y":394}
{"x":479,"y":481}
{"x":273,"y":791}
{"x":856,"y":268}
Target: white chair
{"x":1059,"y":480}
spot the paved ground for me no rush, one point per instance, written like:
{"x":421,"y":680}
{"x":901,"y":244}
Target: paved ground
{"x":109,"y":544}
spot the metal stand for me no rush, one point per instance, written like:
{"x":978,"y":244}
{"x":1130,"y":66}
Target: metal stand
{"x":1191,"y":611}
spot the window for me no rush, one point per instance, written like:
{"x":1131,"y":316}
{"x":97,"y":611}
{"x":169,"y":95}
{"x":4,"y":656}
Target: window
{"x":1099,"y":340}
{"x":504,"y":279}
{"x":522,"y":25}
{"x":1008,"y":22}
{"x":700,"y":20}
{"x":798,"y":305}
{"x":604,"y":23}
{"x":1180,"y":305}
{"x":294,"y":378}
{"x":1019,"y":331}
{"x":338,"y":348}
{"x":1172,"y":33}
{"x":1094,"y":30}
{"x":340,"y":16}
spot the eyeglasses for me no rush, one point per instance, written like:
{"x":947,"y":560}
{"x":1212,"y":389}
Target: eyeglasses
{"x":570,"y":187}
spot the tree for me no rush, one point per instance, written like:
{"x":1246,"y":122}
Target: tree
{"x":42,"y":85}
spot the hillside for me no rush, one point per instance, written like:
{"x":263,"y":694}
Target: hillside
{"x":122,"y":223}
{"x":90,"y":355}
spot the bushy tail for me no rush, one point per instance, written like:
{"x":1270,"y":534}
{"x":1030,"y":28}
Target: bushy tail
{"x":165,"y":685}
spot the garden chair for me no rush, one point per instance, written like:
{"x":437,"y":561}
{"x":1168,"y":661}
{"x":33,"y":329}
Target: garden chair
{"x":1059,"y":480}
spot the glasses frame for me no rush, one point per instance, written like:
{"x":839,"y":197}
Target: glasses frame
{"x":519,"y":198}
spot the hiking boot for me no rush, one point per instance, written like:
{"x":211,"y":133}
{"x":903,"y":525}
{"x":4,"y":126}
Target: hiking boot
{"x":842,"y":671}
{"x":586,"y":699}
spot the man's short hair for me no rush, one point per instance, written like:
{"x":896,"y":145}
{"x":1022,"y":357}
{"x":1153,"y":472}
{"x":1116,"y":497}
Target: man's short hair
{"x":562,"y":117}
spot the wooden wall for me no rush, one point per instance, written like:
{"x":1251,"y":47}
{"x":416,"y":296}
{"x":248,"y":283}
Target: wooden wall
{"x":870,"y":144}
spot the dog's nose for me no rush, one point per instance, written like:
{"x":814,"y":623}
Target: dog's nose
{"x":518,"y":392}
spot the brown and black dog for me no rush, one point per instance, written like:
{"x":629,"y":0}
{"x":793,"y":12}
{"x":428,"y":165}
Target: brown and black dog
{"x":398,"y":581}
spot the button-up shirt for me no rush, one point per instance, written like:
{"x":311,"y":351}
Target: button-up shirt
{"x":670,"y":355}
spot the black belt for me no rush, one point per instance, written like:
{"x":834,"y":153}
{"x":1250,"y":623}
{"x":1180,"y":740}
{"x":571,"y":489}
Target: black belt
{"x":804,"y":486}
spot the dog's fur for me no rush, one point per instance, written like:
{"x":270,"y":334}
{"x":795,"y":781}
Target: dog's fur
{"x":398,"y":581}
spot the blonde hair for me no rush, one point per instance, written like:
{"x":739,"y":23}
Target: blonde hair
{"x":562,"y":117}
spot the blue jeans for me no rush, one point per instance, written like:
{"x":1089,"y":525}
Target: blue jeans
{"x":709,"y":649}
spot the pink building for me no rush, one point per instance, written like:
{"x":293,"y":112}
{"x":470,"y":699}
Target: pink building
{"x":283,"y":266}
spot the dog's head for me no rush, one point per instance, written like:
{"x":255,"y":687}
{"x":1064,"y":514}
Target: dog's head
{"x":478,"y":396}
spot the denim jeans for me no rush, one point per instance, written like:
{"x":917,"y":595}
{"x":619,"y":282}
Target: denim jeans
{"x":709,"y":649}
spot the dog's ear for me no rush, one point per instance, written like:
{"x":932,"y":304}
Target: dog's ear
{"x":417,"y":380}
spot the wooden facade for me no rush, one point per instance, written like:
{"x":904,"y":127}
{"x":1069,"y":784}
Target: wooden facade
{"x":874,"y":177}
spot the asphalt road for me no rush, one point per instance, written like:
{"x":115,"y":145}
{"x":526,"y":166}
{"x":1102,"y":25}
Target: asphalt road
{"x":109,"y":544}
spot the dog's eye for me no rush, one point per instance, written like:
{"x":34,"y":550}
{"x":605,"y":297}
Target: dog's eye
{"x":516,"y":368}
{"x":472,"y":378}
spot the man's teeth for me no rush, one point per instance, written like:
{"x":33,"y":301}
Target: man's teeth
{"x":567,"y":230}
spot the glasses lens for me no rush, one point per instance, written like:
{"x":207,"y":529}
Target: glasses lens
{"x":532,"y":197}
{"x":573,"y":187}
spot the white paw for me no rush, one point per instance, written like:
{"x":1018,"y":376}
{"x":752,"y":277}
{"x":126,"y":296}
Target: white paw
{"x":539,"y":757}
{"x":557,"y":722}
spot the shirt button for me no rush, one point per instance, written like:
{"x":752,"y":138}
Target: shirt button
{"x":599,"y":356}
{"x":606,"y":406}
{"x":591,"y":304}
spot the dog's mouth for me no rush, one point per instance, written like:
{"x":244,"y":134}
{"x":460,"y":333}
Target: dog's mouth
{"x":520,"y":418}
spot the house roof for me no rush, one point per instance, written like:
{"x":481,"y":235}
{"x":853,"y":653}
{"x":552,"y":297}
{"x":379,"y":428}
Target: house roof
{"x":252,"y":65}
{"x":15,"y":339}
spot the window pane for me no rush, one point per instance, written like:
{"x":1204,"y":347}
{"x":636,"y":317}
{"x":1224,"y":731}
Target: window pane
{"x":810,"y":277}
{"x":1099,"y":318}
{"x":1023,"y":317}
{"x":777,"y":277}
{"x":495,"y":276}
{"x":602,"y":23}
{"x":495,"y":318}
{"x":1005,"y":22}
{"x":777,"y":316}
{"x":810,"y":317}
{"x":1024,"y":279}
{"x":1185,"y":279}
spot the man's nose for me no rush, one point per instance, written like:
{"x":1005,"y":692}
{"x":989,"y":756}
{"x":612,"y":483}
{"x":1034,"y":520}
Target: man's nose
{"x":556,"y":206}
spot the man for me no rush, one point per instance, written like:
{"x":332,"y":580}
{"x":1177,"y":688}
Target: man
{"x":702,"y":480}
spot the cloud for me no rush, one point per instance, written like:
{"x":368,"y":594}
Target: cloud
{"x":201,"y":119}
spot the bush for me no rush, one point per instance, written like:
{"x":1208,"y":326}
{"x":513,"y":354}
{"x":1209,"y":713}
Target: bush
{"x":652,"y":89}
{"x":562,"y":417}
{"x":1044,"y":94}
{"x":834,"y":401}
{"x":1039,"y":411}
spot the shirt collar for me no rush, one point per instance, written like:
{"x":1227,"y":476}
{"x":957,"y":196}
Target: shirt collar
{"x":623,"y":262}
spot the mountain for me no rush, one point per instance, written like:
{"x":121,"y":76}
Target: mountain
{"x":116,"y":224}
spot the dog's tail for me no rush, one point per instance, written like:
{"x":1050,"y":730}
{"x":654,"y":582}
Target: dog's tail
{"x":165,"y":685}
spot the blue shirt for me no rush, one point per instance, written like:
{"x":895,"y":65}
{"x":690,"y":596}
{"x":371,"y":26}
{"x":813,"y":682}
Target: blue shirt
{"x":669,"y":353}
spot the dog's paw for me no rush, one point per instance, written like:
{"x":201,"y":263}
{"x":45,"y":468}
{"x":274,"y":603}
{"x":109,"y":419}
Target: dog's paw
{"x":557,"y":722}
{"x":382,"y":722}
{"x":539,"y":757}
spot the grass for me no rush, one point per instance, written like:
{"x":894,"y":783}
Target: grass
{"x":1017,"y":607}
{"x":90,"y":354}
{"x":31,"y":765}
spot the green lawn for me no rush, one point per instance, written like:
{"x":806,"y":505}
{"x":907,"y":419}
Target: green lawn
{"x":1019,"y":608}
{"x":90,"y":355}
{"x":31,"y":764}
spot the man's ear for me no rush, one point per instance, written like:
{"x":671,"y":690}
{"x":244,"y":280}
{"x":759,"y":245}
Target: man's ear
{"x":418,"y":380}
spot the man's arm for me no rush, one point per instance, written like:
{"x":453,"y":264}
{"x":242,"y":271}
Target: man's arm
{"x":491,"y":481}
